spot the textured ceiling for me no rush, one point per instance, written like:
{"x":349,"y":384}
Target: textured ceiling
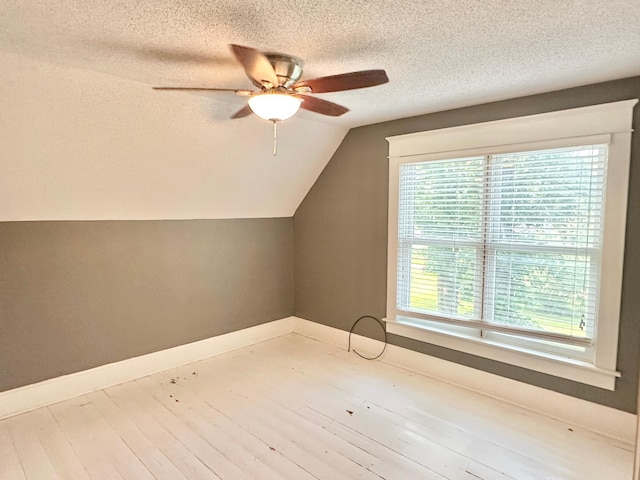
{"x":438,"y":55}
{"x":85,"y":137}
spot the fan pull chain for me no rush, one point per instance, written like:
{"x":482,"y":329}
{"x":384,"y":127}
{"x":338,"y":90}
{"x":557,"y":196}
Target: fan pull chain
{"x":275,"y":137}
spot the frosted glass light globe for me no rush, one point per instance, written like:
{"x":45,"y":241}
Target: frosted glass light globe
{"x":274,"y":106}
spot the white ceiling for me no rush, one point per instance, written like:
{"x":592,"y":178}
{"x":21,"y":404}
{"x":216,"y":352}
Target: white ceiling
{"x":438,"y":55}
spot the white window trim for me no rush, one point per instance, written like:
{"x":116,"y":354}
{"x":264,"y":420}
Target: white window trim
{"x":608,"y":123}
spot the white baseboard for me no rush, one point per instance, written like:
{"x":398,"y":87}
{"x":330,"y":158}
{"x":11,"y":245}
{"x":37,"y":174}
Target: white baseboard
{"x":592,"y":416}
{"x":30,"y":397}
{"x":607,"y":421}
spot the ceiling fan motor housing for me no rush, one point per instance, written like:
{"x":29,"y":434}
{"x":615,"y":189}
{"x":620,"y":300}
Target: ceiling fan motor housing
{"x":287,"y":67}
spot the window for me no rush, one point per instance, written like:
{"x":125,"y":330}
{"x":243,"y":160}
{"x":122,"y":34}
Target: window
{"x":513,"y":251}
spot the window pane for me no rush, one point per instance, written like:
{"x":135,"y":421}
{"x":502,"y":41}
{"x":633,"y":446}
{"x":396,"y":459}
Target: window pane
{"x":442,"y":199}
{"x":551,"y":197}
{"x":548,"y":292}
{"x":442,"y":281}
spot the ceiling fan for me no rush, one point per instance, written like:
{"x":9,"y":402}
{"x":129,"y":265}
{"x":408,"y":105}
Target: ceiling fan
{"x":281,"y":92}
{"x":278,"y":78}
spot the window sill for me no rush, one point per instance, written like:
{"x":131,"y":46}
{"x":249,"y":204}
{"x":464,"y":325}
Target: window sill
{"x":550,"y":364}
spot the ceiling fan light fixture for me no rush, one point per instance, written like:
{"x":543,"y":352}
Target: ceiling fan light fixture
{"x":274,"y":106}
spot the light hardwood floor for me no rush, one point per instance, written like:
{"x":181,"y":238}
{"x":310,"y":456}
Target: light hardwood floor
{"x":295,"y":408}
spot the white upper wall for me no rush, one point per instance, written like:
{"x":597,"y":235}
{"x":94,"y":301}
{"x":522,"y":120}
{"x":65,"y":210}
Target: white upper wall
{"x":80,"y":145}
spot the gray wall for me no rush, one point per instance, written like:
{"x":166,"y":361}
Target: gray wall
{"x":74,"y":295}
{"x":340,"y":234}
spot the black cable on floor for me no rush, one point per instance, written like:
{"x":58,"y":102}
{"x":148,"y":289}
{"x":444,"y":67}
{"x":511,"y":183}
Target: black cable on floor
{"x":384,"y":330}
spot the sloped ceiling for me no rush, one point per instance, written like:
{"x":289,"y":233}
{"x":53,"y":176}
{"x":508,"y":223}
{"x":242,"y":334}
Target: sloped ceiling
{"x":84,"y":137}
{"x":80,"y":145}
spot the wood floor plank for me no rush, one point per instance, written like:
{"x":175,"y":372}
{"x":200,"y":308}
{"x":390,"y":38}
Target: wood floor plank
{"x":209,"y":454}
{"x":239,"y":444}
{"x":278,"y":443}
{"x":154,"y":460}
{"x":350,"y":457}
{"x":205,"y":422}
{"x":33,"y":457}
{"x":11,"y":467}
{"x":309,"y":458}
{"x":86,"y":437}
{"x":172,"y":447}
{"x":121,"y":456}
{"x":338,"y":451}
{"x":61,"y":454}
{"x":355,"y":450}
{"x":388,"y":463}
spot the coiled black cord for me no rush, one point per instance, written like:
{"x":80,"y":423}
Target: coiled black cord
{"x":384,"y":330}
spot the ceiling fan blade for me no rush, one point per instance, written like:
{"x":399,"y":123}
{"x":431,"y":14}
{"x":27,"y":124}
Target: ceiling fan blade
{"x":256,"y":65}
{"x":321,"y":106}
{"x":243,"y":112}
{"x":344,"y":81}
{"x":244,"y":93}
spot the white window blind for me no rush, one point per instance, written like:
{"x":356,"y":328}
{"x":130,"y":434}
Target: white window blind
{"x":506,"y":243}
